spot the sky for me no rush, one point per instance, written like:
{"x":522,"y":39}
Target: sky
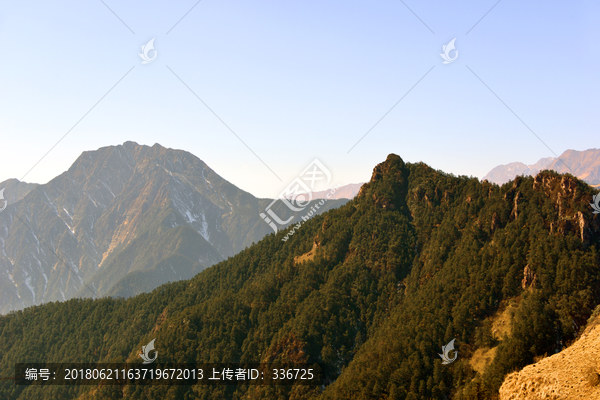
{"x":259,"y":89}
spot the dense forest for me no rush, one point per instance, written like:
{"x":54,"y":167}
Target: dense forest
{"x":372,"y":290}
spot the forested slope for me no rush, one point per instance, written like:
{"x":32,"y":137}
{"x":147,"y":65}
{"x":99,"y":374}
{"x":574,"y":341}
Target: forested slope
{"x":373,"y":290}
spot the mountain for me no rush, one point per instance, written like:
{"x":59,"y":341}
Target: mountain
{"x":122,"y":220}
{"x":583,"y":164}
{"x":342,"y":192}
{"x":504,"y":173}
{"x":372,"y":290}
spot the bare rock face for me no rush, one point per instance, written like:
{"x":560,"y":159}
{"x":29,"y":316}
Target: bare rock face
{"x":515,"y":211}
{"x":529,"y":278}
{"x":562,"y":189}
{"x":572,"y":374}
{"x":565,"y":192}
{"x":583,"y":227}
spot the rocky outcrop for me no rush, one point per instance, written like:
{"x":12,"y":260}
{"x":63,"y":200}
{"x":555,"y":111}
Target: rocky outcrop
{"x":584,"y":230}
{"x":529,"y":278}
{"x":561,"y":189}
{"x":514,"y":214}
{"x":572,"y":374}
{"x":565,"y":192}
{"x":393,"y":171}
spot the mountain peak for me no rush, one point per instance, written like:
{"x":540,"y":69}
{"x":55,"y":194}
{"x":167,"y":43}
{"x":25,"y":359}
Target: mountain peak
{"x":130,"y":143}
{"x":392,"y":164}
{"x":388,"y":185}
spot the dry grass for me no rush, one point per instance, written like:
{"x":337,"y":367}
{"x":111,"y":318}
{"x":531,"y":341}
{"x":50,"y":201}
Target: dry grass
{"x":501,"y":322}
{"x":501,"y":327}
{"x":306,"y":256}
{"x":482,"y":358}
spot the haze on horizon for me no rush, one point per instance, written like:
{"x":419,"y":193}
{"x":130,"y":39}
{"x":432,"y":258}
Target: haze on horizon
{"x":298,"y":81}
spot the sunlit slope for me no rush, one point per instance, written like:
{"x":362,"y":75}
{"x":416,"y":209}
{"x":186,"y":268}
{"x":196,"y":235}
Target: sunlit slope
{"x":373,"y":290}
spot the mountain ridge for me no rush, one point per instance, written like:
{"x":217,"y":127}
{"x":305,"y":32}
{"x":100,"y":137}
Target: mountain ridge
{"x":583,"y":164}
{"x":373,"y":290}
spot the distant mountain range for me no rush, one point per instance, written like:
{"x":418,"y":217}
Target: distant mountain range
{"x":583,"y":164}
{"x":122,"y":220}
{"x":343,"y":192}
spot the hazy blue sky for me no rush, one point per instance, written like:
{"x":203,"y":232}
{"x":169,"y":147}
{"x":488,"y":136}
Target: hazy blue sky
{"x":298,"y":80}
